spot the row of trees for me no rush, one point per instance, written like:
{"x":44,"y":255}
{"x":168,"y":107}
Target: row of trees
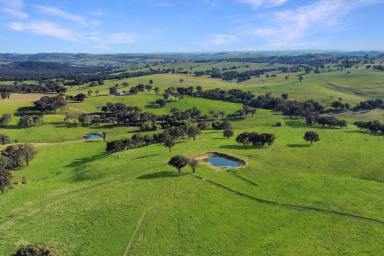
{"x":325,"y":121}
{"x":373,"y":127}
{"x":255,"y":139}
{"x":369,"y":105}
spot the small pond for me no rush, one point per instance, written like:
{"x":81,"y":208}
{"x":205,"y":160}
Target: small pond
{"x":92,"y":136}
{"x":223,"y":162}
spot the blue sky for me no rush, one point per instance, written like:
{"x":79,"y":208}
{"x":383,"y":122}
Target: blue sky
{"x":125,"y":26}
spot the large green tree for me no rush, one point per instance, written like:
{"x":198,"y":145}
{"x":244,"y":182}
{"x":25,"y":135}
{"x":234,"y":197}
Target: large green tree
{"x":179,"y":162}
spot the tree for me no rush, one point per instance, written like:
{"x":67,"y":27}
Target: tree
{"x":26,"y":152}
{"x":24,"y":122}
{"x":5,"y":179}
{"x":80,"y":97}
{"x":228,"y":133}
{"x":5,"y":95}
{"x":284,"y":96}
{"x":112,"y":91}
{"x":193,"y":163}
{"x":148,"y":87}
{"x":169,"y":143}
{"x":4,"y":120}
{"x":4,"y":139}
{"x":193,"y":132}
{"x":34,"y":250}
{"x":227,"y":124}
{"x":179,"y":162}
{"x":311,"y":137}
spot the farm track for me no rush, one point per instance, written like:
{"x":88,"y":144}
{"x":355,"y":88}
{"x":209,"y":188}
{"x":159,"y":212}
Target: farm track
{"x":291,"y":206}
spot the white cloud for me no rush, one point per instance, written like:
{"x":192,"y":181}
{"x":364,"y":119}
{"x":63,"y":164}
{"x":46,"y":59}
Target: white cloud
{"x":15,"y":13}
{"x":220,"y":39}
{"x":13,"y":8}
{"x":263,"y":3}
{"x":13,"y":4}
{"x":43,"y":28}
{"x":290,"y":27}
{"x":57,"y":12}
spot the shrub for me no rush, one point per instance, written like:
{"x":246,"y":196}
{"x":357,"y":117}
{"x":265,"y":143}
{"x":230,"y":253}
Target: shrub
{"x":34,"y":250}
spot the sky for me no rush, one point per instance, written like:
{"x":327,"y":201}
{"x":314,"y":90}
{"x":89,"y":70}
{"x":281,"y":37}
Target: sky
{"x":141,"y":26}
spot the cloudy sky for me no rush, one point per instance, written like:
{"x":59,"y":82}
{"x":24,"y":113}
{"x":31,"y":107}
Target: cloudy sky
{"x":122,"y":26}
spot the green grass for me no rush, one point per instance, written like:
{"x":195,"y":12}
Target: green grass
{"x":291,"y":198}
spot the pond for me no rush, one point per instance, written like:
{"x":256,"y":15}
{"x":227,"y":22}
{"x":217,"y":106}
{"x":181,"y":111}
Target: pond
{"x":222,"y":162}
{"x":92,"y":136}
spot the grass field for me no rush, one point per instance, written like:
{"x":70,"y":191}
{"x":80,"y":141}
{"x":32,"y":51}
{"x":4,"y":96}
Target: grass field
{"x":291,"y":198}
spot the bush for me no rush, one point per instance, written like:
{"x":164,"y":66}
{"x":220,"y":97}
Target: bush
{"x":34,"y":250}
{"x":4,"y":139}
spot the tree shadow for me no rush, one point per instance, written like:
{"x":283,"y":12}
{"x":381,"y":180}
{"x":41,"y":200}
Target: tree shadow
{"x":81,"y":173}
{"x":240,"y":147}
{"x":83,"y":161}
{"x":142,"y":157}
{"x":298,"y":145}
{"x":159,"y":175}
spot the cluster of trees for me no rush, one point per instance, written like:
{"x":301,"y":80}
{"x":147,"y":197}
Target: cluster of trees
{"x":239,"y":76}
{"x":325,"y":121}
{"x":255,"y":139}
{"x":179,"y":162}
{"x":27,"y":121}
{"x":373,"y":127}
{"x":167,"y":137}
{"x":135,"y":141}
{"x":134,"y":90}
{"x":249,"y":100}
{"x":369,"y":105}
{"x":340,"y":106}
{"x":13,"y":157}
{"x":49,"y":104}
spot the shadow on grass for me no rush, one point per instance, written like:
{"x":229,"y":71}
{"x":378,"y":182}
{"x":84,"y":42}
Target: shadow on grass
{"x":142,"y":157}
{"x":159,"y":175}
{"x":86,"y":160}
{"x":298,"y":145}
{"x":81,"y":173}
{"x":240,"y":147}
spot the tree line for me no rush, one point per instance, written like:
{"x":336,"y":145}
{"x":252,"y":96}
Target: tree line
{"x":373,"y":127}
